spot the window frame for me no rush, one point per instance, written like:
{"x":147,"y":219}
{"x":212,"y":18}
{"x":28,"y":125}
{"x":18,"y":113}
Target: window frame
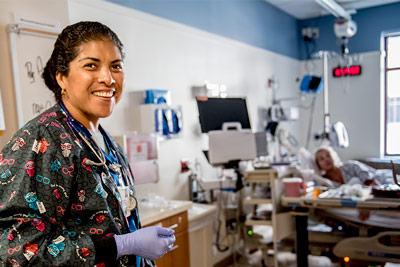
{"x":386,"y":36}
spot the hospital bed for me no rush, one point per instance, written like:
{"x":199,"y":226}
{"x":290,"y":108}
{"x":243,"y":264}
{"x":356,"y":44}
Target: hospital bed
{"x":378,"y":239}
{"x":348,"y":247}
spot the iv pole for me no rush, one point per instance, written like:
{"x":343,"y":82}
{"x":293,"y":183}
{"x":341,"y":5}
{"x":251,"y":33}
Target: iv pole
{"x":326,"y":94}
{"x":336,"y":134}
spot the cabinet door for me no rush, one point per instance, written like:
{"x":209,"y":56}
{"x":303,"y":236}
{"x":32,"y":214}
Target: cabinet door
{"x":179,"y":255}
{"x":165,"y":261}
{"x":179,"y":222}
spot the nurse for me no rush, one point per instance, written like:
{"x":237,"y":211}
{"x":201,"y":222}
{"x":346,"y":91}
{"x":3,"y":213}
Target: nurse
{"x":67,"y":195}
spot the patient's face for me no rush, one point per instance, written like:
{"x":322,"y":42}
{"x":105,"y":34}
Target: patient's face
{"x":324,"y":160}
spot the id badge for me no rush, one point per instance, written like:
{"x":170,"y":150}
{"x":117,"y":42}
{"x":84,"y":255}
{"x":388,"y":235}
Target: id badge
{"x":124,"y":193}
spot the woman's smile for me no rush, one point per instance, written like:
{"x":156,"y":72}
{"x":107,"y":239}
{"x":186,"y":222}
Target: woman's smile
{"x":94,"y":83}
{"x":105,"y":94}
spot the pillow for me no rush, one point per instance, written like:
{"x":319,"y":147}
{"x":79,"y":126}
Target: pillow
{"x":307,"y":160}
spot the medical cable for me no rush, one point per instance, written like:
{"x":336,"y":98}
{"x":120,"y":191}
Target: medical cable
{"x":218,"y":230}
{"x":310,"y":121}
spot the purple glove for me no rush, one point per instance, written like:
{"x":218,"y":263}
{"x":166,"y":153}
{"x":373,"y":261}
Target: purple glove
{"x":149,"y":243}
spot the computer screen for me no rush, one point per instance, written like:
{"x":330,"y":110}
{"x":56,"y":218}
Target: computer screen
{"x":213,"y":112}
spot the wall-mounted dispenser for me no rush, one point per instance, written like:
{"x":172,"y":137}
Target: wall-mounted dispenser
{"x":158,"y":116}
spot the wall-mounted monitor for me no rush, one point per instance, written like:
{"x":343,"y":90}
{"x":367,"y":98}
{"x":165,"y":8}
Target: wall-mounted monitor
{"x":213,"y":112}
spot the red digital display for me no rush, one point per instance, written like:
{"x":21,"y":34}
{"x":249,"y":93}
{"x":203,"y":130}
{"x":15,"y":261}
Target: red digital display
{"x":347,"y":71}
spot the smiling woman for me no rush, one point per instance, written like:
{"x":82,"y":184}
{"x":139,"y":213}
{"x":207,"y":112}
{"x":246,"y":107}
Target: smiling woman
{"x":94,"y":83}
{"x":67,"y":195}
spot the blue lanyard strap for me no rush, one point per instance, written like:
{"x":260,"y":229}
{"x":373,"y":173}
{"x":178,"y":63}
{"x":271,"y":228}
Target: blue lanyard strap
{"x":75,"y":125}
{"x":111,"y":157}
{"x":115,"y":169}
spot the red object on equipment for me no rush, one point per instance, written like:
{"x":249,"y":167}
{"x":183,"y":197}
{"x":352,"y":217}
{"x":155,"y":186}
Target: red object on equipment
{"x":347,"y":71}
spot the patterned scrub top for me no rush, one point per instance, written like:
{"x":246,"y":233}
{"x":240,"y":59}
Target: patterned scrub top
{"x":53,"y":205}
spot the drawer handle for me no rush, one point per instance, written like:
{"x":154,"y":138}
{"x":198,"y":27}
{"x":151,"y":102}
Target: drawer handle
{"x":174,"y":247}
{"x":173,"y":226}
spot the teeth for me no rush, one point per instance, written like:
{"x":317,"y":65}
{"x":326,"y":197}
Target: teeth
{"x":104,"y":94}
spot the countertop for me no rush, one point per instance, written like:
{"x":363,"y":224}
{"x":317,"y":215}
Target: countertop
{"x":201,"y":215}
{"x":199,"y":211}
{"x":153,"y":212}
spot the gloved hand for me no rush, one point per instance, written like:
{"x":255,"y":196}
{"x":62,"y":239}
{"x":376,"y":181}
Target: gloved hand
{"x":149,"y":243}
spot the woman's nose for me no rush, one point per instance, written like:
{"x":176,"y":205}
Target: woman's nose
{"x":105,"y":76}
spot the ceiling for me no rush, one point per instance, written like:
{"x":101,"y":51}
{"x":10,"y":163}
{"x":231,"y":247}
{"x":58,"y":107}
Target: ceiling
{"x":304,"y":9}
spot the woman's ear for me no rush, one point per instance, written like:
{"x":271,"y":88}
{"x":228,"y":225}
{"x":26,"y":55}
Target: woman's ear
{"x":61,"y":80}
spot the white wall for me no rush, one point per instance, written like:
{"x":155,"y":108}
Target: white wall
{"x":165,"y":55}
{"x":353,"y":100}
{"x":38,"y":9}
{"x":162,"y":54}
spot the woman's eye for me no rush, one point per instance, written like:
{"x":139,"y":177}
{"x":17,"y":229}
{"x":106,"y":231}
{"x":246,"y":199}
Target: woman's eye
{"x":117,"y":67}
{"x":90,"y":65}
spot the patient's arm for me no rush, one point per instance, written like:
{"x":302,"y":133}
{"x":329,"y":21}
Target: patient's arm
{"x":371,"y":182}
{"x":323,"y":181}
{"x":354,"y":168}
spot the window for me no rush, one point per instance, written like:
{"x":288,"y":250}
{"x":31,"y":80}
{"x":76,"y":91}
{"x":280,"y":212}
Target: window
{"x":392,"y":94}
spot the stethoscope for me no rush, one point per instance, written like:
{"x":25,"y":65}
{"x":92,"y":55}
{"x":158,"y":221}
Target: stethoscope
{"x":74,"y":124}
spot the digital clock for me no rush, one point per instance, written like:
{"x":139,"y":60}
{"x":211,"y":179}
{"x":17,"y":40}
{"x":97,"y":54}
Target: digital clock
{"x":347,"y":71}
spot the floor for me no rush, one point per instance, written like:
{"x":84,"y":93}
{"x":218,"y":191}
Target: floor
{"x":288,"y":259}
{"x":243,"y":264}
{"x":250,"y":260}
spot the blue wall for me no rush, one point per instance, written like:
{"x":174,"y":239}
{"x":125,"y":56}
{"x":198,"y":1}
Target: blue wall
{"x":260,"y":24}
{"x":254,"y":22}
{"x":371,"y":23}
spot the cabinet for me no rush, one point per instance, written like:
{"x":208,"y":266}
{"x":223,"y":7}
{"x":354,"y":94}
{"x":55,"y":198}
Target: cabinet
{"x":201,"y":234}
{"x":280,"y":221}
{"x":178,"y":256}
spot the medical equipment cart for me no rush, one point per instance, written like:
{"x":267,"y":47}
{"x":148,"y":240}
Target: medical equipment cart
{"x":280,"y":220}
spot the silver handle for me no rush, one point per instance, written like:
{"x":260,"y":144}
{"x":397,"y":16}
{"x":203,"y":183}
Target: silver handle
{"x":174,"y":247}
{"x":173,"y":226}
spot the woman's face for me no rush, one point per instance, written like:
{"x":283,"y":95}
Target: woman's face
{"x":324,"y":160}
{"x":95,"y":81}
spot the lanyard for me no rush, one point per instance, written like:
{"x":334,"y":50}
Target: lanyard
{"x":86,"y":136}
{"x":113,"y":163}
{"x":112,"y":158}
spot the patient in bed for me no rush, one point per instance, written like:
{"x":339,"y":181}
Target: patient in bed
{"x":350,"y":173}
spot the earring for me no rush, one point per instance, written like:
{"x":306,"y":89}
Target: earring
{"x":63,"y":91}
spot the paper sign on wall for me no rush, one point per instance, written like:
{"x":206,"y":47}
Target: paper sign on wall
{"x":138,"y":151}
{"x":141,"y":150}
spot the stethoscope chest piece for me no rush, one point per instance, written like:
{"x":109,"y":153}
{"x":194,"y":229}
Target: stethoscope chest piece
{"x":132,"y":204}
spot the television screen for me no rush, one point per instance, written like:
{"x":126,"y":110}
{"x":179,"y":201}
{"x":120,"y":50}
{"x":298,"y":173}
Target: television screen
{"x":213,"y":112}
